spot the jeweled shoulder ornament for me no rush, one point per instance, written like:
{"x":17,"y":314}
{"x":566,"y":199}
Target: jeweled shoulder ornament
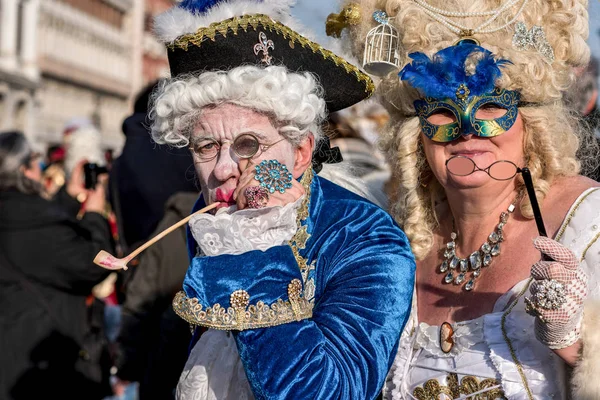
{"x":205,"y":35}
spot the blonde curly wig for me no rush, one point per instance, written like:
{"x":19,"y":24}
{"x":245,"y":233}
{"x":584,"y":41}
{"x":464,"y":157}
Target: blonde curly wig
{"x":552,"y":136}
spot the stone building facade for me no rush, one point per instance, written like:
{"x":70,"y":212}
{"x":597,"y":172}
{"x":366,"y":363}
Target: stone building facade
{"x":19,"y":73}
{"x":66,"y":59}
{"x":155,"y":64}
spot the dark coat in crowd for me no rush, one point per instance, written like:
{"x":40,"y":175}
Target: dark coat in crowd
{"x":143,"y":177}
{"x":153,"y":341}
{"x":46,"y":276}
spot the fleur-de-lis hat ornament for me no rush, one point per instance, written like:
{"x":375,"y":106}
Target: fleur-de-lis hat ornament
{"x":204,"y":35}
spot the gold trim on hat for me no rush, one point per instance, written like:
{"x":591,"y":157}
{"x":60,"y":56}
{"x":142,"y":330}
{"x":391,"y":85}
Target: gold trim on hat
{"x":234,"y":24}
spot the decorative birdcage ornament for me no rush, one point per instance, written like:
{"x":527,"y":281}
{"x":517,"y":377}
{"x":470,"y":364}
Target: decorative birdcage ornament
{"x":381,"y":47}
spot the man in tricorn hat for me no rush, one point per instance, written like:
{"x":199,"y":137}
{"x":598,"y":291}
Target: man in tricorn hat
{"x":304,"y":287}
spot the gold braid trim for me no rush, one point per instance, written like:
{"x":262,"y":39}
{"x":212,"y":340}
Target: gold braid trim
{"x":241,"y":315}
{"x":590,"y":244}
{"x":569,"y":217}
{"x":469,"y":385}
{"x":234,"y":24}
{"x":508,"y":342}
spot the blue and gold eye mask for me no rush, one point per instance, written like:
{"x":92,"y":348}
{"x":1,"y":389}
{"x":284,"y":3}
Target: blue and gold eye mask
{"x":451,"y":89}
{"x":465,"y":112}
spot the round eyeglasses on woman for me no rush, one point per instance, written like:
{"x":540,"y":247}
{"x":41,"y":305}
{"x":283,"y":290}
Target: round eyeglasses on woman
{"x":501,"y":170}
{"x":245,"y":145}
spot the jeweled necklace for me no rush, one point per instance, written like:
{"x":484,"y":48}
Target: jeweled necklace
{"x":479,"y":259}
{"x":443,"y":16}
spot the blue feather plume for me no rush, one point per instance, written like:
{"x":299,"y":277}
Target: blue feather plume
{"x":198,"y":6}
{"x":440,"y":76}
{"x":201,"y":6}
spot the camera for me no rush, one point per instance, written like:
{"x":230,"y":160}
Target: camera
{"x":91,"y":171}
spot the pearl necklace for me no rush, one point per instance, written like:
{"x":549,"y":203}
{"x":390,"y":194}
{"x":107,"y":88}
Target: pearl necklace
{"x":443,"y":16}
{"x":479,"y":258}
{"x":460,"y":14}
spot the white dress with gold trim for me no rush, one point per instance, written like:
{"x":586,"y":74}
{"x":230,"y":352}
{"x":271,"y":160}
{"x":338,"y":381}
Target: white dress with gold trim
{"x":497,"y":355}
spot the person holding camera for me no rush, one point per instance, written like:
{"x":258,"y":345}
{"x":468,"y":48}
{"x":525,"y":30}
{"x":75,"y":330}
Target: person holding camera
{"x":50,"y":345}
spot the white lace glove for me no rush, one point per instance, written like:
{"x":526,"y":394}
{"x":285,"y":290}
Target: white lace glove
{"x":557,"y":294}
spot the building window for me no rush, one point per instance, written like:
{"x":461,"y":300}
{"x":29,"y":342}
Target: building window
{"x":99,"y":9}
{"x":21,"y":116}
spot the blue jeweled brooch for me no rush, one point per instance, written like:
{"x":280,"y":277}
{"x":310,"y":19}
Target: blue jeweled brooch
{"x":273,"y":176}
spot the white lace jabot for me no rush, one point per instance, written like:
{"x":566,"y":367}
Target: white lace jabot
{"x":236,"y":232}
{"x":214,"y":370}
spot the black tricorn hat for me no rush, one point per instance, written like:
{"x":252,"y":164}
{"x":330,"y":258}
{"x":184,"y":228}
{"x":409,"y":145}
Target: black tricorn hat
{"x":254,"y":38}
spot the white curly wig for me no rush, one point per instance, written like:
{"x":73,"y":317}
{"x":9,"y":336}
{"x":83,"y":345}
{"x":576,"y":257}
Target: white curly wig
{"x":293,"y":101}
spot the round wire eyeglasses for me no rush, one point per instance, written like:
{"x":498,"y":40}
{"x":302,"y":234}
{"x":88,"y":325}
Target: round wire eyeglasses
{"x":501,"y":170}
{"x":244,"y":146}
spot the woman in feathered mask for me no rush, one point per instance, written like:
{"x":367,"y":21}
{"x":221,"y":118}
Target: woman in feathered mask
{"x":304,"y":287}
{"x":475,"y":98}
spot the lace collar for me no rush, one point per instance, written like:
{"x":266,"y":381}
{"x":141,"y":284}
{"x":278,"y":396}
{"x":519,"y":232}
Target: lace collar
{"x":235,"y":232}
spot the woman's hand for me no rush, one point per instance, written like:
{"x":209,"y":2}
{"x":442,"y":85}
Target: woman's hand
{"x":247,"y":180}
{"x":557,"y":294}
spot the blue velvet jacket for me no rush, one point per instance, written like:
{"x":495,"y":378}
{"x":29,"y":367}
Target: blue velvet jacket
{"x":361,"y":271}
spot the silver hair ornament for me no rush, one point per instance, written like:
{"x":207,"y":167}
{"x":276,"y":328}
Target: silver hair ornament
{"x":533,"y":39}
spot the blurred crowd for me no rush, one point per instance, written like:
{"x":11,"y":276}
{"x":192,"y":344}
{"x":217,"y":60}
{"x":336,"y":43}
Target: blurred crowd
{"x":71,"y":327}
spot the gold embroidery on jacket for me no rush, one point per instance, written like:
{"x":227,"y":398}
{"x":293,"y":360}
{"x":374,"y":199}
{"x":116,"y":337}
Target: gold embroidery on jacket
{"x":242,"y":315}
